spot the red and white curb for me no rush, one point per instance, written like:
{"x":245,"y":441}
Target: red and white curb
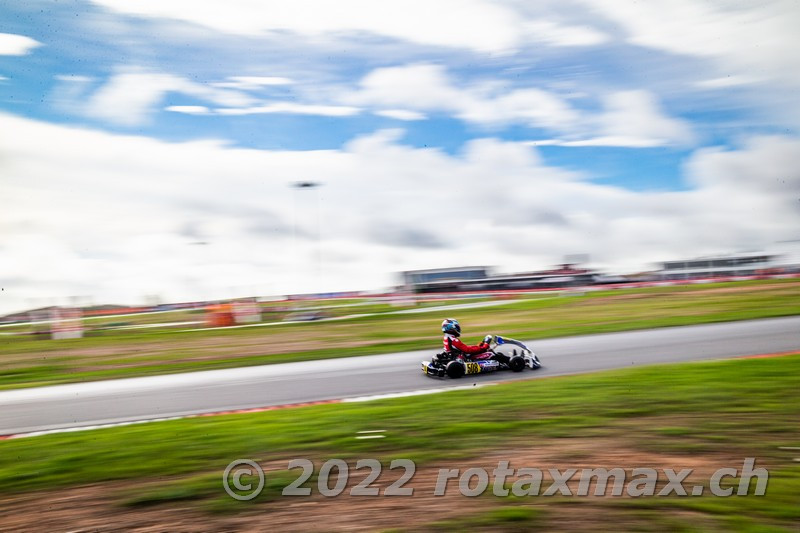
{"x":766,"y":355}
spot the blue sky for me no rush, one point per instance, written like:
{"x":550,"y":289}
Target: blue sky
{"x":577,"y":116}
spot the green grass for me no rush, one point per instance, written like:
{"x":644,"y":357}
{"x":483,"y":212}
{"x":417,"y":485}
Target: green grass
{"x":516,"y":518}
{"x":26,"y":361}
{"x":744,"y":407}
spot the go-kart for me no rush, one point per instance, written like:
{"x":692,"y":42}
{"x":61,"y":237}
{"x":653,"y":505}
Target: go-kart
{"x":503,"y":354}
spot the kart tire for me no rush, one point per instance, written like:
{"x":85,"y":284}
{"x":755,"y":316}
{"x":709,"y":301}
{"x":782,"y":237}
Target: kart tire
{"x":455,"y":369}
{"x":516,"y":364}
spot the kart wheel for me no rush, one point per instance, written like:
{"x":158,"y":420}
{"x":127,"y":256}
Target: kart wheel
{"x":516,"y":364}
{"x":455,"y":369}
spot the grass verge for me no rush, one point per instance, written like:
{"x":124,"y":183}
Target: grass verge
{"x":737,"y":408}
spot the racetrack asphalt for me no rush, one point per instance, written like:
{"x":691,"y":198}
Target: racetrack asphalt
{"x":147,"y":398}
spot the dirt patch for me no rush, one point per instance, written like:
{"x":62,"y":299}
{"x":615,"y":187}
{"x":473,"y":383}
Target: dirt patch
{"x":97,"y":507}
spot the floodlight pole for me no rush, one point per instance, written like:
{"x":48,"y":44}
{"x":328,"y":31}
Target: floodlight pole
{"x":309,"y":185}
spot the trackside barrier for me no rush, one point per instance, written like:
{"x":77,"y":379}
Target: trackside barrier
{"x":66,"y":323}
{"x":246,"y":311}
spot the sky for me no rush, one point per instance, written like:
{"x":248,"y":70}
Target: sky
{"x":148,"y":149}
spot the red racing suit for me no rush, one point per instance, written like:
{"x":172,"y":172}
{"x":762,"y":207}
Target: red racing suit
{"x":453,"y":344}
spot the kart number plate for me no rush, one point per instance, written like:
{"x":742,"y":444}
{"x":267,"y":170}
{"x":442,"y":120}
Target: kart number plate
{"x":473,"y":368}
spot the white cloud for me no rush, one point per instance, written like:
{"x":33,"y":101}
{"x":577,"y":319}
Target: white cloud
{"x":473,"y":24}
{"x":533,"y":107}
{"x":615,"y":141}
{"x":550,"y":32}
{"x":73,"y":78}
{"x":188,"y":109}
{"x":426,"y":87}
{"x":292,"y":108}
{"x":727,"y":81}
{"x":71,"y":93}
{"x":759,"y":184}
{"x":114,"y":216}
{"x":249,"y":83}
{"x":743,"y":38}
{"x":420,"y":86}
{"x":637,"y":116}
{"x":400,"y":114}
{"x":478,"y":25}
{"x":631,"y":119}
{"x":766,"y":163}
{"x":131,"y":96}
{"x":16,"y":45}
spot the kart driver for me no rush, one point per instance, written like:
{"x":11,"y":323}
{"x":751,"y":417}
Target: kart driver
{"x":452,"y":344}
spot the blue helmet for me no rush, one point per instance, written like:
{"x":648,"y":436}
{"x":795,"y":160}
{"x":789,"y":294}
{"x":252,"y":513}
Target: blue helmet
{"x":451,"y":326}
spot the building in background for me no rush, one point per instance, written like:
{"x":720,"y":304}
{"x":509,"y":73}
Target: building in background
{"x":782,"y":257}
{"x":753,"y":264}
{"x":788,"y":255}
{"x":465,"y":279}
{"x":443,"y":279}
